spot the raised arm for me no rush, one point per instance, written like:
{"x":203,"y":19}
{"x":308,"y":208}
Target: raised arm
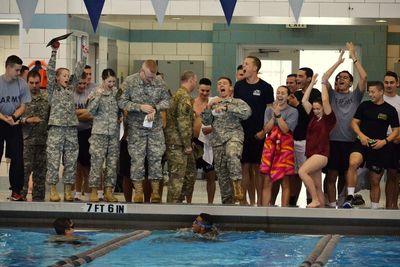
{"x":326,"y":105}
{"x":51,"y":70}
{"x":79,"y":67}
{"x":305,"y":101}
{"x":331,"y":70}
{"x":362,"y":82}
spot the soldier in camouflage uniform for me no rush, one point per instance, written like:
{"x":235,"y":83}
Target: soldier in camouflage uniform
{"x":224,"y":114}
{"x":144,"y":96}
{"x":62,"y":135}
{"x":104,"y":141}
{"x":34,"y":129}
{"x":178,"y":139}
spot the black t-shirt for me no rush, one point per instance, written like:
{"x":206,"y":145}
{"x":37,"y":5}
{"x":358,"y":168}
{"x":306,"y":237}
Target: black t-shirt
{"x":300,"y":131}
{"x":257,"y":96}
{"x":375,"y":119}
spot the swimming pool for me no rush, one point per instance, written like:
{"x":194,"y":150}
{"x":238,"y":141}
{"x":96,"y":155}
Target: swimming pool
{"x":29,"y":247}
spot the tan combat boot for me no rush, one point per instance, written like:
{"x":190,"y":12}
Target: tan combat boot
{"x":138,"y":198}
{"x":155,"y":192}
{"x":68,"y":196}
{"x":108,"y":194}
{"x":93,"y":195}
{"x":237,"y":191}
{"x":54,"y":196}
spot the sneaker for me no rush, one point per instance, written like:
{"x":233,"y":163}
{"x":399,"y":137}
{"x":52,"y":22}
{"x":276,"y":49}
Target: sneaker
{"x":358,"y":200}
{"x":348,"y":202}
{"x":16,"y":197}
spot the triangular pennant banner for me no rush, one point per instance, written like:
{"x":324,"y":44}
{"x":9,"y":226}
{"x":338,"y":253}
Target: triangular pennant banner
{"x":27,"y":9}
{"x":228,"y":6}
{"x":160,"y":6}
{"x":296,"y":6}
{"x":94,"y":8}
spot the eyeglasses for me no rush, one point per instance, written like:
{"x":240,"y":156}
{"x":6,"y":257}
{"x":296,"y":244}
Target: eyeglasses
{"x":206,"y":226}
{"x":343,"y":78}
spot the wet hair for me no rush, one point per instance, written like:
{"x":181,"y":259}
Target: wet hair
{"x":207,"y":218}
{"x":151,"y":65}
{"x":23,"y":69}
{"x":317,"y":100}
{"x":33,"y":74}
{"x":61,"y":225}
{"x":59,"y":70}
{"x":186,"y":75}
{"x":257,"y":61}
{"x":287,"y":88}
{"x":205,"y":81}
{"x":309,"y":72}
{"x":344,"y":71}
{"x":240,"y":67}
{"x":13,"y":60}
{"x":225,"y":78}
{"x":292,"y":75}
{"x":83,"y":76}
{"x":392,"y":74}
{"x":377,"y":84}
{"x":107,"y":73}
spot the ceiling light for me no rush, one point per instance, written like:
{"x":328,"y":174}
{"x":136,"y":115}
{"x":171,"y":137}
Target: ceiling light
{"x":381,"y":21}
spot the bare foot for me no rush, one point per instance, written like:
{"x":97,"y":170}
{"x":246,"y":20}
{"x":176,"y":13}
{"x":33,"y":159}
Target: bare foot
{"x":313,"y":204}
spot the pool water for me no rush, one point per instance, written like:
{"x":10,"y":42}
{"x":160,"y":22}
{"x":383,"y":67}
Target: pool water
{"x":169,"y":248}
{"x":30,"y":247}
{"x":366,"y":251}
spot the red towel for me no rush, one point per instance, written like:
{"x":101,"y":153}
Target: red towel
{"x":278,"y":154}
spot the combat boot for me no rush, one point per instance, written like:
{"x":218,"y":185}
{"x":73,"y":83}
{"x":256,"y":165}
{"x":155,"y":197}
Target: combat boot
{"x":138,"y":198}
{"x":108,"y":194}
{"x":54,"y":196}
{"x":93,"y":195}
{"x":237,"y":191}
{"x":68,"y":196}
{"x":155,"y":191}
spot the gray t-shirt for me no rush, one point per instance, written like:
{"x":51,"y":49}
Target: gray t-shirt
{"x":80,"y":101}
{"x":344,"y":106}
{"x":12,"y":94}
{"x":290,"y":115}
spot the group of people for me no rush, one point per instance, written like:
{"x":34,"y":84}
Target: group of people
{"x":247,"y":139}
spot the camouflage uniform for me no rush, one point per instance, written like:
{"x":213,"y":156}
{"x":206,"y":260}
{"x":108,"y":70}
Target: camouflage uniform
{"x":178,"y":136}
{"x":62,"y":136}
{"x":35,"y":136}
{"x":227,"y":142}
{"x":144,"y":141}
{"x":104,"y":142}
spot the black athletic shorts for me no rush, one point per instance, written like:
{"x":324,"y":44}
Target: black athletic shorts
{"x":375,"y":160}
{"x":83,"y":141}
{"x":339,"y":154}
{"x":395,"y":156}
{"x":252,"y":150}
{"x":202,"y":164}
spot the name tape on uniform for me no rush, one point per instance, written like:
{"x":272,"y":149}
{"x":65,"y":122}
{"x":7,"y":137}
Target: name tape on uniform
{"x":105,"y":208}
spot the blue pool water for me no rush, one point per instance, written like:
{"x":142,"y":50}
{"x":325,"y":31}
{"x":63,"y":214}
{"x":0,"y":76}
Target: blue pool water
{"x":366,"y":251}
{"x":29,"y":247}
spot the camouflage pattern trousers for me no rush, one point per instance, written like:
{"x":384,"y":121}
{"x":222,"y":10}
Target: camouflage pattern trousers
{"x":142,"y":144}
{"x":228,"y":167}
{"x":35,"y":163}
{"x":62,"y":141}
{"x":182,"y":174}
{"x":104,"y":149}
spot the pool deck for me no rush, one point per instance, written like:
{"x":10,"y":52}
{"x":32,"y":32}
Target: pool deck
{"x":168,"y":216}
